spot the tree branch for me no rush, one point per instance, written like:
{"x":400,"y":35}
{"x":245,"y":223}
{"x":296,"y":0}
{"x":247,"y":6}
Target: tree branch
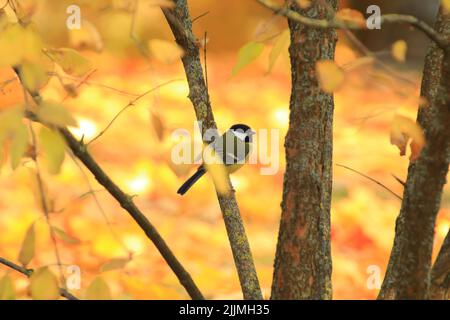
{"x":442,"y":41}
{"x":79,"y":149}
{"x":440,"y":273}
{"x":180,"y":23}
{"x":28,"y":272}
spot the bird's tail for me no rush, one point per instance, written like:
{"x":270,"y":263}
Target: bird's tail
{"x":193,"y":179}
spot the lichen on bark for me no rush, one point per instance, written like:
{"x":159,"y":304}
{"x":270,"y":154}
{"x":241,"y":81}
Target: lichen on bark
{"x":303,"y":258}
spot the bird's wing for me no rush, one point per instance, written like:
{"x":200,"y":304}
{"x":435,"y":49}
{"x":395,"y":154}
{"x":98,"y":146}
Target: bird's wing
{"x":230,"y":149}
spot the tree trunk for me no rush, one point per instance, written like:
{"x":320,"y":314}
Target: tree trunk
{"x":440,"y":274}
{"x":407,"y":275}
{"x":303,"y":257}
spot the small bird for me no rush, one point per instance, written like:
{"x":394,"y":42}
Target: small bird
{"x":233,"y":147}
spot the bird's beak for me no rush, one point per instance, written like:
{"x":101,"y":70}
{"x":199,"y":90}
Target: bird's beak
{"x":251,"y":133}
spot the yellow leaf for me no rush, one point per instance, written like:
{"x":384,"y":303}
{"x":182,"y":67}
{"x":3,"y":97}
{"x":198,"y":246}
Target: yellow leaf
{"x":165,"y":51}
{"x":87,"y":37}
{"x":216,"y":168}
{"x":54,"y":147}
{"x":70,"y":61}
{"x":351,"y":16}
{"x":330,"y":75}
{"x":44,"y":285}
{"x":114,"y":264}
{"x":399,"y":49}
{"x":281,"y":44}
{"x":55,"y":113}
{"x":18,"y":44}
{"x":158,"y":125}
{"x":65,"y":237}
{"x":247,"y":54}
{"x":446,"y":5}
{"x":34,"y":76}
{"x":98,"y":290}
{"x":28,"y":246}
{"x":402,"y":130}
{"x":19,"y":144}
{"x":7,"y":288}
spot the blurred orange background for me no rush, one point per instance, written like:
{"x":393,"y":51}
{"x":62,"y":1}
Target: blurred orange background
{"x":132,"y":153}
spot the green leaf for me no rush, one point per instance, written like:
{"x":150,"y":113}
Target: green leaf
{"x":281,"y":45}
{"x":248,"y":53}
{"x":65,"y":237}
{"x":54,"y":147}
{"x":7,"y":288}
{"x":70,"y":61}
{"x":28,"y":246}
{"x":114,"y":264}
{"x":98,"y":290}
{"x":44,"y":285}
{"x":55,"y":113}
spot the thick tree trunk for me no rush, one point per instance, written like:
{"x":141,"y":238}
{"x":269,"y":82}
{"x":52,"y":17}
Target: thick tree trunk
{"x":303,"y":257}
{"x":440,"y":274}
{"x":408,"y":271}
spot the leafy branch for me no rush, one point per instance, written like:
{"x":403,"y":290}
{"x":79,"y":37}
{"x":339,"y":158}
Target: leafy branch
{"x":79,"y":149}
{"x":28,"y":272}
{"x":438,"y":38}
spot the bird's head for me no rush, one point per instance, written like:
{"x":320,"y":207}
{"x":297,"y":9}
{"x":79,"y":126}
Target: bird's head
{"x":243,"y":132}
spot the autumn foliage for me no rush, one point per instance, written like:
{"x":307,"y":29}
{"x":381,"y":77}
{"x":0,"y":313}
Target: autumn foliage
{"x":118,"y":85}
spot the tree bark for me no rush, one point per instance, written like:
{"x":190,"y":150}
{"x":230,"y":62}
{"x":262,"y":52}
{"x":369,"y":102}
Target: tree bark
{"x":303,"y":257}
{"x":408,"y":271}
{"x":440,"y":274}
{"x":180,"y":23}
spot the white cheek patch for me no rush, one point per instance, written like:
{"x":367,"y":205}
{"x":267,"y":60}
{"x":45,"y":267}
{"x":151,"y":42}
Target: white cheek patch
{"x":240,"y":135}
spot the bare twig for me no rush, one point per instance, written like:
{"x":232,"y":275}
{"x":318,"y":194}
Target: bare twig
{"x":371,"y":179}
{"x":205,"y":60}
{"x":28,"y":272}
{"x":43,"y":196}
{"x":83,"y":81}
{"x":200,"y":16}
{"x":130,"y":104}
{"x":440,"y":40}
{"x":99,"y":206}
{"x":181,"y":25}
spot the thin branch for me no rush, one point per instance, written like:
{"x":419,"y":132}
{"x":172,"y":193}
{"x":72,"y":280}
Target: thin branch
{"x":205,"y":60}
{"x":371,"y":179}
{"x":181,"y":25}
{"x":440,"y":40}
{"x":43,"y":196}
{"x":80,"y":150}
{"x":83,"y":81}
{"x":200,"y":16}
{"x":28,"y":272}
{"x":130,"y":104}
{"x":99,"y":206}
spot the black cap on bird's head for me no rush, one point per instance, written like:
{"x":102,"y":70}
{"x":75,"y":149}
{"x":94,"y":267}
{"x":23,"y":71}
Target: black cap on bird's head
{"x":243,"y":131}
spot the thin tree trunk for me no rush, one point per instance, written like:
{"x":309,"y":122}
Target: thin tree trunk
{"x":180,"y":23}
{"x":408,"y":271}
{"x":440,"y":274}
{"x":303,"y":258}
